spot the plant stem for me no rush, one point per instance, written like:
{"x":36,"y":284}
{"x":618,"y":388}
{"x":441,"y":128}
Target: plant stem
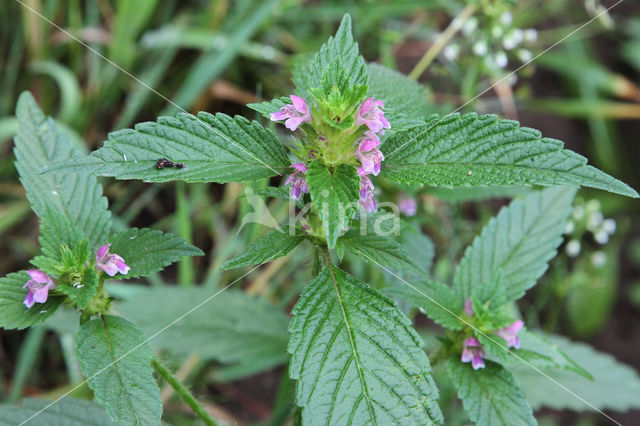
{"x":441,"y":42}
{"x":184,"y":393}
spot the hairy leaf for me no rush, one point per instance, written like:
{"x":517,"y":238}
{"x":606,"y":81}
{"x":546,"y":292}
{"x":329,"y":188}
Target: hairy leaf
{"x":520,"y":241}
{"x":268,"y":107}
{"x":378,"y":249}
{"x":438,"y":301}
{"x":212,"y":148}
{"x":273,"y":245}
{"x":339,"y":54}
{"x":615,"y":385}
{"x":490,"y":395}
{"x":230,"y":327}
{"x":472,"y":150}
{"x":13,"y":313}
{"x":147,"y":251}
{"x":77,"y":197}
{"x":400,"y":94}
{"x":66,"y":412}
{"x":356,"y":358}
{"x":115,"y":358}
{"x":335,"y":195}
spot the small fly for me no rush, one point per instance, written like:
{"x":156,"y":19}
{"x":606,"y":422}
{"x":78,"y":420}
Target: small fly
{"x":163,"y":163}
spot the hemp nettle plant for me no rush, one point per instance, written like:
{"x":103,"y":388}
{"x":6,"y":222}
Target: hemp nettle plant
{"x":352,"y":353}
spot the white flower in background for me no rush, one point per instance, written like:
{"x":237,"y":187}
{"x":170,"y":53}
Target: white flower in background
{"x":506,"y":18}
{"x":501,"y":59}
{"x":451,"y":52}
{"x":524,"y":55}
{"x":570,"y":227}
{"x":469,"y":26}
{"x":609,"y":225}
{"x":480,"y":48}
{"x":592,"y":206}
{"x":578,"y":213}
{"x":599,"y":259}
{"x":594,"y":221}
{"x":573,"y":248}
{"x":601,"y":236}
{"x":530,"y":35}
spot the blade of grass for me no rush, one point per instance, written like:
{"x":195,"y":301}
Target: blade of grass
{"x":27,"y":358}
{"x":183,"y":229}
{"x":212,"y":64}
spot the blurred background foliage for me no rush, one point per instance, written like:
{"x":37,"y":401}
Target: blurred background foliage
{"x":90,"y":65}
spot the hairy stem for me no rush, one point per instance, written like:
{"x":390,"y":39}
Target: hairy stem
{"x":441,"y":42}
{"x":184,"y":393}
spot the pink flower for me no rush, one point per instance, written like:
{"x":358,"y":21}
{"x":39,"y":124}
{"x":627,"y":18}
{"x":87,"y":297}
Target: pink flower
{"x":294,"y":114}
{"x":367,"y":200}
{"x":468,"y":307}
{"x":510,"y":334}
{"x":472,"y":352}
{"x":110,"y":263}
{"x":298,"y":182}
{"x":407,"y":205}
{"x":372,"y":116}
{"x":39,"y":286}
{"x":371,"y":161}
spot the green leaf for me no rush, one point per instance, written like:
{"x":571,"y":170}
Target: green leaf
{"x":76,"y":197}
{"x":335,"y":196}
{"x":65,"y":412}
{"x":490,"y":395}
{"x":615,"y":386}
{"x":442,"y":305}
{"x":379,"y":249}
{"x":212,"y":148}
{"x":115,"y":358}
{"x":356,"y":358}
{"x":400,"y":94}
{"x":269,"y":107}
{"x":147,"y":251}
{"x":338,"y":60}
{"x":83,"y":291}
{"x":221,"y":329}
{"x":13,"y":313}
{"x":273,"y":245}
{"x":520,"y":241}
{"x":472,"y":150}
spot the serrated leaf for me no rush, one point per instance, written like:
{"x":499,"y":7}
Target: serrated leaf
{"x":615,"y":385}
{"x":400,"y":94}
{"x":212,"y":148}
{"x":147,"y":251}
{"x":269,"y":107}
{"x":115,"y":358}
{"x":356,"y":358}
{"x":335,"y":195}
{"x":76,"y":197}
{"x":519,"y":241}
{"x":442,"y":304}
{"x":13,"y":313}
{"x":65,"y":412}
{"x":273,"y":245}
{"x":219,"y":330}
{"x":472,"y":150}
{"x":490,"y":395}
{"x":378,"y":249}
{"x":339,"y":53}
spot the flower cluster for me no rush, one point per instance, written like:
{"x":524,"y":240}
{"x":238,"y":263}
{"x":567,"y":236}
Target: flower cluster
{"x":587,"y":220}
{"x":472,"y":350}
{"x":493,"y":37}
{"x":370,"y":123}
{"x":40,"y":283}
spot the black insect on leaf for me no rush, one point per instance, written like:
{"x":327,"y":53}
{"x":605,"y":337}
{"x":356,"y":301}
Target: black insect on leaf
{"x":164,"y":163}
